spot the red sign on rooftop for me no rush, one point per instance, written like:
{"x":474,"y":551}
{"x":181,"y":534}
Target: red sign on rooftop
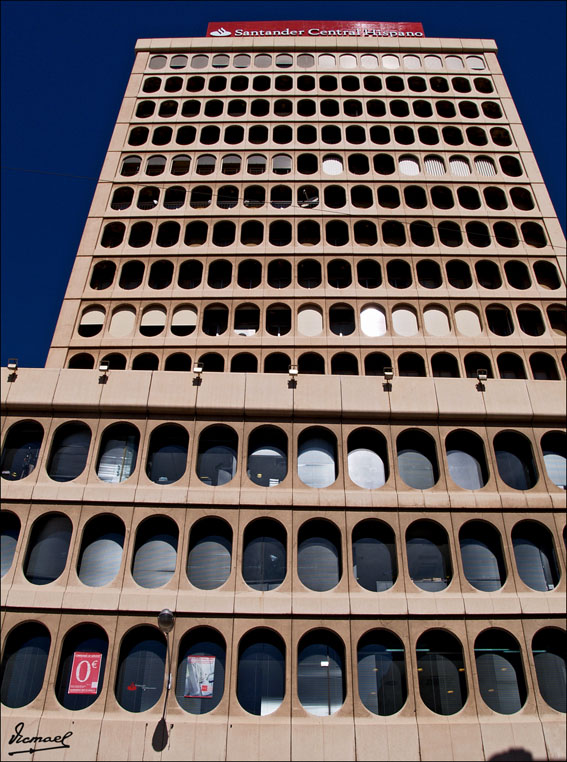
{"x":314,"y":29}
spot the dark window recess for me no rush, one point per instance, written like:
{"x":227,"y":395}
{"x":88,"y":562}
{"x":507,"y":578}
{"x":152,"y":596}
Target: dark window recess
{"x":167,"y":454}
{"x":21,"y":450}
{"x":264,"y":559}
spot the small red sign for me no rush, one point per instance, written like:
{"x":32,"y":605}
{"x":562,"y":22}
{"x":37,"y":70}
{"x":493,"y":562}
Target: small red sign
{"x":85,"y":673}
{"x":367,"y":29}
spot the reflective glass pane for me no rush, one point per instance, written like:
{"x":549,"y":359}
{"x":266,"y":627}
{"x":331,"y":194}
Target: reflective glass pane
{"x":101,"y":550}
{"x":24,"y":662}
{"x":381,"y":672}
{"x":320,"y":673}
{"x":199,"y":686}
{"x":139,"y":681}
{"x":48,"y":548}
{"x":261,"y":672}
{"x":21,"y":450}
{"x":80,"y":676}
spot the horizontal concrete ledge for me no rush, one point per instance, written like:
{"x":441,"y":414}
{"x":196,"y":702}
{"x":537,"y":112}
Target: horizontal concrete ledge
{"x":276,"y":395}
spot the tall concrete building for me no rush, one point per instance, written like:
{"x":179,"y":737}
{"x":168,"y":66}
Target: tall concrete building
{"x":306,"y":392}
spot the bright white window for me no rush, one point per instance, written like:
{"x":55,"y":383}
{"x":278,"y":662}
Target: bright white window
{"x":412,"y":62}
{"x":309,"y":321}
{"x":433,"y":62}
{"x":332,"y":164}
{"x":468,"y":321}
{"x":454,"y":62}
{"x":434,"y":165}
{"x":404,"y":321}
{"x":327,"y":61}
{"x":436,"y":321}
{"x":409,"y":165}
{"x":390,"y":62}
{"x":485,"y":166}
{"x":348,"y":61}
{"x":122,"y":323}
{"x":460,"y":166}
{"x":373,"y":321}
{"x":369,"y":62}
{"x":476,"y":63}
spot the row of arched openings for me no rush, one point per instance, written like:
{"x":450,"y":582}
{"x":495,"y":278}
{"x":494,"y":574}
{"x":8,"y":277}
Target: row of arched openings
{"x":321,"y":679}
{"x":339,"y":274}
{"x":267,"y":456}
{"x":264,"y":553}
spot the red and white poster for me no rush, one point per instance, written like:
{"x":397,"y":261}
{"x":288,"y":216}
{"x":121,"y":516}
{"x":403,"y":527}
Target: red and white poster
{"x":85,"y":673}
{"x":199,"y":677}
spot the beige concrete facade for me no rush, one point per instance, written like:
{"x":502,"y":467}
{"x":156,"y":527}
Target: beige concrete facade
{"x":344,"y":206}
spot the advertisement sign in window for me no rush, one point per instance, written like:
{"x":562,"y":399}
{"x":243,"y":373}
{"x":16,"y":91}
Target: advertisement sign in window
{"x":85,"y":673}
{"x":199,"y":677}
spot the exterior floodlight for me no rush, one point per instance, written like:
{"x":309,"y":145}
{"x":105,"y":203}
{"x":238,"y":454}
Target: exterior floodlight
{"x":197,"y":369}
{"x":166,"y":620}
{"x":388,"y":373}
{"x":104,"y":366}
{"x":482,"y":374}
{"x":293,"y":371}
{"x":13,"y":364}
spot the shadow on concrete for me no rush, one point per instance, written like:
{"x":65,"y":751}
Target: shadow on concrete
{"x":161,"y":736}
{"x":512,"y":755}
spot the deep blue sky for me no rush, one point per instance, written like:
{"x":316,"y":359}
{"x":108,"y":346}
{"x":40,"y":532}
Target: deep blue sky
{"x":65,"y":66}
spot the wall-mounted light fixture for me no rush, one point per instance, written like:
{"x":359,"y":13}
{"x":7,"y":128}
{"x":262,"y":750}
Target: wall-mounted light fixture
{"x":482,"y":374}
{"x":12,"y":364}
{"x":293,"y":372}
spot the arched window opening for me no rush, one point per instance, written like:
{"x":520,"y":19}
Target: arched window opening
{"x":341,"y":319}
{"x":336,"y":233}
{"x":69,"y":451}
{"x":210,"y":553}
{"x":506,"y":235}
{"x":488,"y":274}
{"x":441,"y":672}
{"x":131,"y":275}
{"x":476,"y":361}
{"x":178,"y":361}
{"x":23,"y":665}
{"x":445,"y":365}
{"x":553,"y":447}
{"x":280,"y":197}
{"x":267,"y":456}
{"x":382,"y":684}
{"x":429,"y":274}
{"x":365,"y":233}
{"x":548,"y":649}
{"x":131,"y":166}
{"x":481,"y":552}
{"x":216,"y":460}
{"x":103,"y":275}
{"x":254,"y":197}
{"x":75,"y":688}
{"x":115,"y":361}
{"x":308,"y":233}
{"x":92,"y":321}
{"x":369,"y":273}
{"x":141,"y":664}
{"x":155,"y":552}
{"x":199,"y":685}
{"x":375,"y":362}
{"x":557,"y":319}
{"x":321,"y":684}
{"x":48,"y":547}
{"x":375,"y":565}
{"x":244,"y":362}
{"x":399,"y":273}
{"x":319,"y":555}
{"x":510,"y":365}
{"x":278,"y":319}
{"x":100,"y":556}
{"x":515,"y":460}
{"x":478,"y":234}
{"x":308,"y":197}
{"x":404,"y":321}
{"x":183,"y":321}
{"x":139,"y":135}
{"x":81,"y":361}
{"x":215,"y":320}
{"x":161,"y":274}
{"x":145,"y":361}
{"x":279,"y":273}
{"x":246,"y":320}
{"x":220,"y":273}
{"x":276,"y":362}
{"x":224,"y":233}
{"x":357,"y":165}
{"x":535,"y":556}
{"x":260,"y":681}
{"x":256,"y":164}
{"x":411,"y":364}
{"x":140,"y":234}
{"x":167,"y":453}
{"x":227,"y":197}
{"x":499,"y":320}
{"x":264,"y":554}
{"x":466,"y":459}
{"x":530,"y":320}
{"x":546,"y":275}
{"x":458,"y":274}
{"x":344,"y":364}
{"x":8,"y":540}
{"x":417,"y":459}
{"x":311,"y":363}
{"x":429,"y":558}
{"x":153,"y":321}
{"x":361,"y":197}
{"x":500,"y":672}
{"x":317,"y":457}
{"x":339,"y":274}
{"x":252,"y":233}
{"x":21,"y":450}
{"x":280,"y":233}
{"x":190,"y":274}
{"x":309,"y":273}
{"x":450,"y":234}
{"x":118,"y":453}
{"x":281,"y":164}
